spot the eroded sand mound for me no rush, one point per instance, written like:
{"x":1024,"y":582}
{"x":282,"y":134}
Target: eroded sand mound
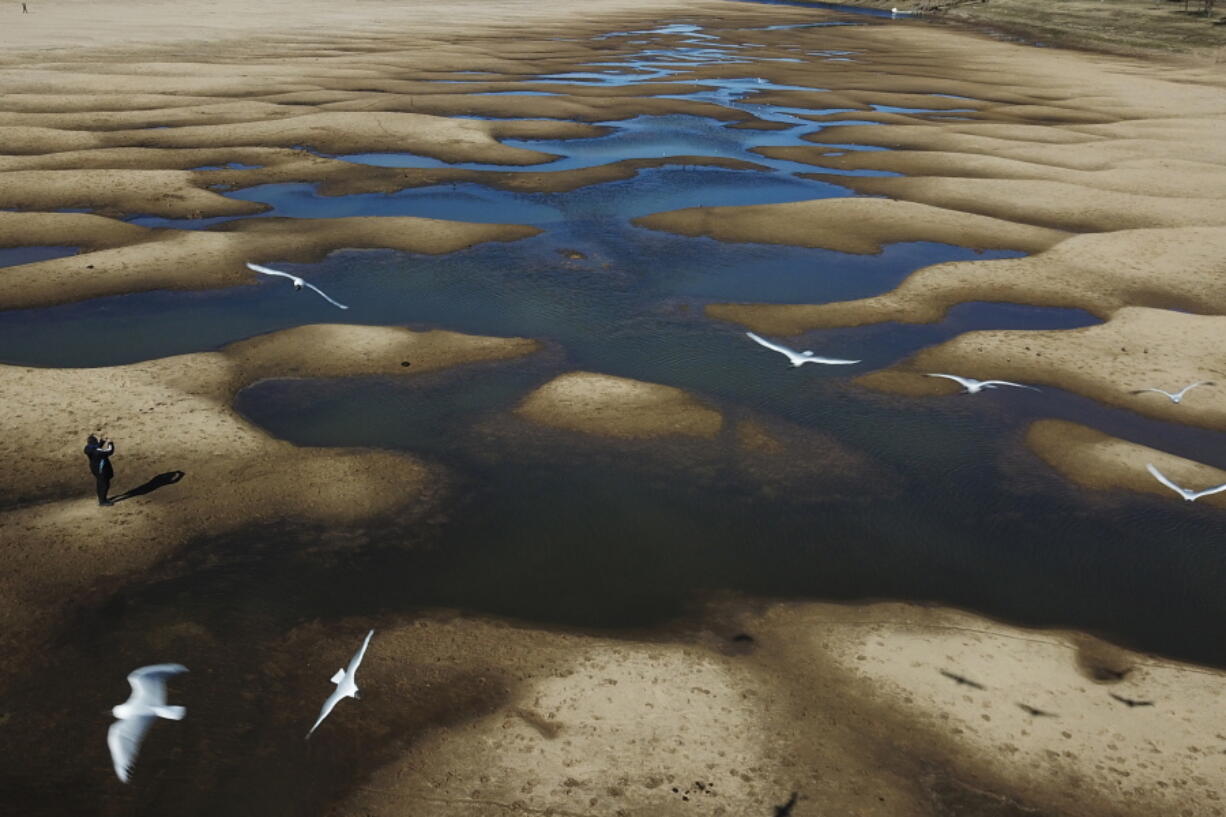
{"x":617,"y":406}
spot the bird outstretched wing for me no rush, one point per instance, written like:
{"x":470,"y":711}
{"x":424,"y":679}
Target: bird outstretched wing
{"x":1159,"y":391}
{"x":269,"y":271}
{"x":783,"y":350}
{"x":965,"y":382}
{"x":324,"y":295}
{"x":149,"y":683}
{"x":1161,"y":477}
{"x":1191,"y":386}
{"x":123,"y":739}
{"x":326,"y":709}
{"x":358,"y":656}
{"x":1208,"y":491}
{"x":830,"y":361}
{"x":991,"y":383}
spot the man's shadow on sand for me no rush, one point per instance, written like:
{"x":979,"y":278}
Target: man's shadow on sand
{"x":161,"y":480}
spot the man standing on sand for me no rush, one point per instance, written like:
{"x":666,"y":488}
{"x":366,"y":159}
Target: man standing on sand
{"x":99,"y":453}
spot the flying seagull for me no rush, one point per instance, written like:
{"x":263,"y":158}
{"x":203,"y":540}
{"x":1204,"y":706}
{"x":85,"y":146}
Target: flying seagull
{"x":798,"y":358}
{"x":1035,"y":712}
{"x":974,"y":386}
{"x":1177,"y":397}
{"x":345,"y":686}
{"x":1130,"y":702}
{"x":1187,"y":493}
{"x":135,"y":715}
{"x":298,"y":283}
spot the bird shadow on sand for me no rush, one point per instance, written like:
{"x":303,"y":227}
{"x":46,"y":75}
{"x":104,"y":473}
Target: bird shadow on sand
{"x":161,"y":480}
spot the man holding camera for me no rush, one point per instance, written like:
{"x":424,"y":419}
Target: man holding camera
{"x":99,"y":453}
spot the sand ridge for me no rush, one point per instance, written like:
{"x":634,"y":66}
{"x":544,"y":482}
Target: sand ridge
{"x":851,"y":225}
{"x":1105,"y":463}
{"x":185,"y":259}
{"x":1137,"y":348}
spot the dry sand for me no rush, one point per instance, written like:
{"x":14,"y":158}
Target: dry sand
{"x":847,"y":706}
{"x":174,"y":414}
{"x":194,"y":259}
{"x":1137,"y":348}
{"x":1173,"y":268}
{"x":851,"y":225}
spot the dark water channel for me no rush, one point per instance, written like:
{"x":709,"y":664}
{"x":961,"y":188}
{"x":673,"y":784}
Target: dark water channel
{"x":940,"y":502}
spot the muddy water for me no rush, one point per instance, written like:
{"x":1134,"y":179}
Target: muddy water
{"x":940,"y":501}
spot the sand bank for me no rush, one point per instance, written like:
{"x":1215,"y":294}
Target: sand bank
{"x":1107,"y":463}
{"x":668,"y":434}
{"x":64,"y":24}
{"x":619,"y":407}
{"x":1099,"y":272}
{"x":174,"y":415}
{"x":1137,"y":348}
{"x":847,"y":706}
{"x":185,"y":259}
{"x":851,"y":225}
{"x":340,"y":178}
{"x":1061,"y":205}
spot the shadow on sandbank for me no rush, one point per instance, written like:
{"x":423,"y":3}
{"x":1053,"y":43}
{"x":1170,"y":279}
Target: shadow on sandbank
{"x":161,"y":480}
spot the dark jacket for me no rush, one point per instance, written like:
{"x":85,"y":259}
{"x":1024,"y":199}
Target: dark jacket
{"x":100,"y":459}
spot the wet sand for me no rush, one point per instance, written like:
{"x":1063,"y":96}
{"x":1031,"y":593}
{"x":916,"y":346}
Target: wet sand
{"x":1089,"y":162}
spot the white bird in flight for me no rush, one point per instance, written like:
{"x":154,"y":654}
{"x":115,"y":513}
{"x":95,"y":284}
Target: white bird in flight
{"x":1177,"y":396}
{"x":135,"y":715}
{"x":1187,"y":493}
{"x":298,"y":282}
{"x":345,"y":685}
{"x":974,"y":386}
{"x":798,"y":358}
